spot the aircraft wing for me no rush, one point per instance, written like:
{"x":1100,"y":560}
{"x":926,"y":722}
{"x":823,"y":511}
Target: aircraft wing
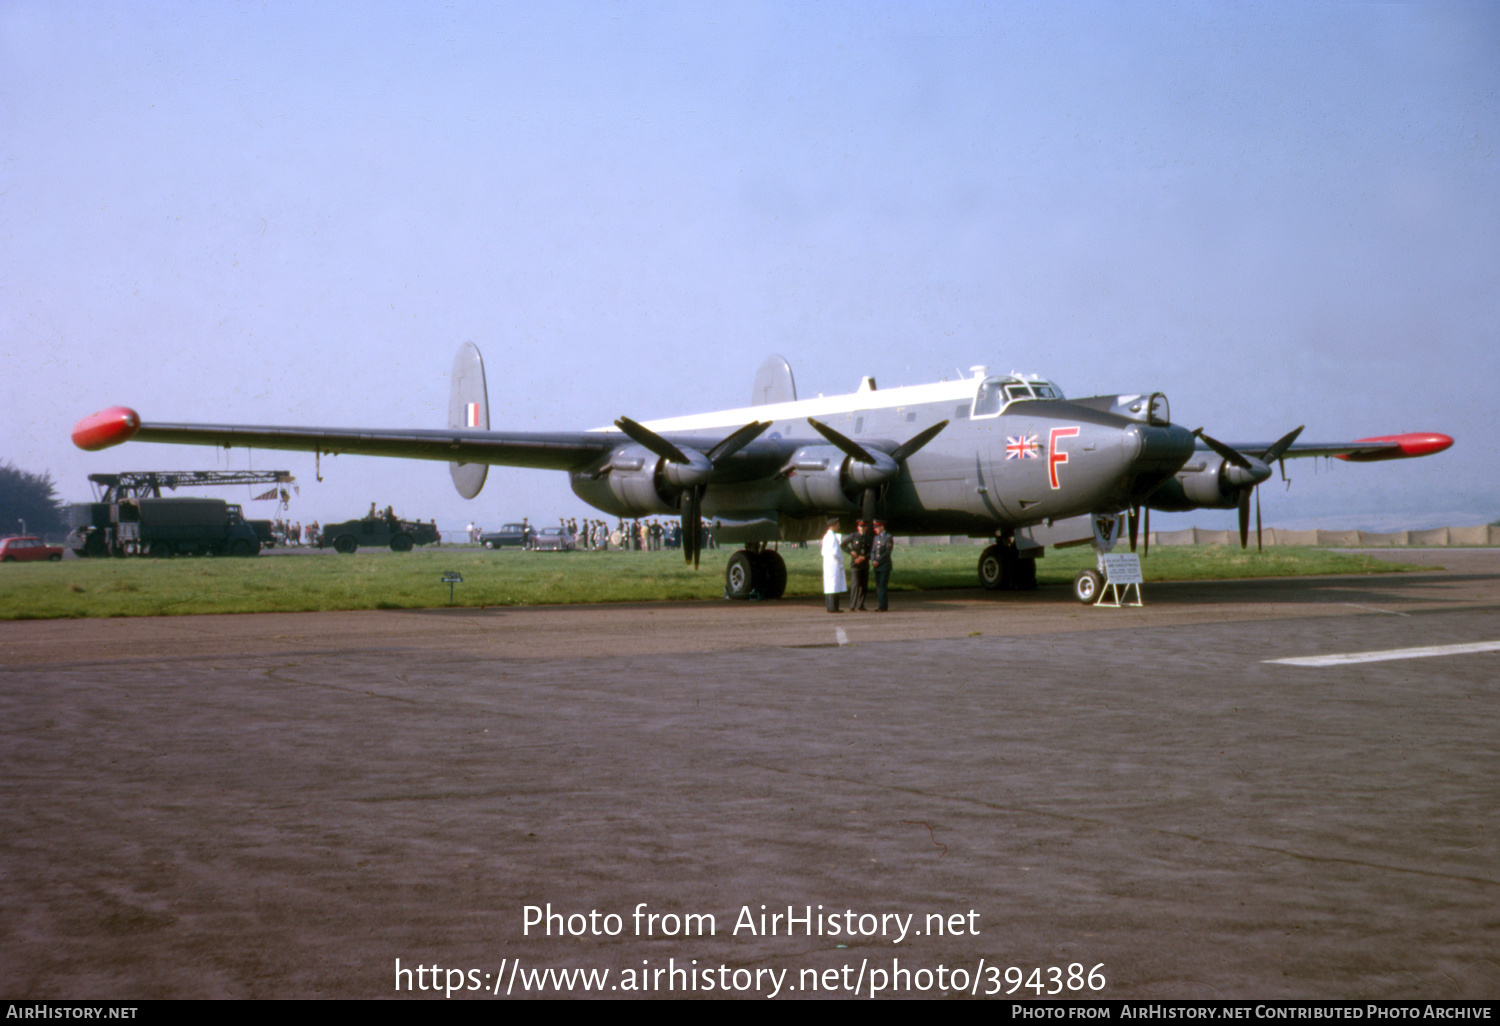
{"x":563,"y":450}
{"x":1362,"y":450}
{"x":540,"y":450}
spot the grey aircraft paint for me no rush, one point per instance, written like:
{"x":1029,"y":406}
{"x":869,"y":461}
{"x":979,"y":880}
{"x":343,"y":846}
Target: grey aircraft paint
{"x":984,"y":456}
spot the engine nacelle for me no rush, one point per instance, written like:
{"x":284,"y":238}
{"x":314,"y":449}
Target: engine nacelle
{"x":817,"y":479}
{"x":629,"y":485}
{"x":1200,"y":484}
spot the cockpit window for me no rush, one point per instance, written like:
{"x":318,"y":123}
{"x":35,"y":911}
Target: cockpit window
{"x":987,"y":401}
{"x":995,"y":393}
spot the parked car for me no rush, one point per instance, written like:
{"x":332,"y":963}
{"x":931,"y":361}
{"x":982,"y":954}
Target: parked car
{"x":511,"y":536}
{"x":26,"y":547}
{"x":553,"y":539}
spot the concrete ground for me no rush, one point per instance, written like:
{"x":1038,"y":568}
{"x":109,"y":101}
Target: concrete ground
{"x":287,"y":805}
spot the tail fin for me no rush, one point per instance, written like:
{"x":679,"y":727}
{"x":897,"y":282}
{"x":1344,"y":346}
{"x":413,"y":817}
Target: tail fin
{"x":468,"y":410}
{"x":773,"y":383}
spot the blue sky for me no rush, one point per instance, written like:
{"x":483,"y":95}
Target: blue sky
{"x":295,"y":213}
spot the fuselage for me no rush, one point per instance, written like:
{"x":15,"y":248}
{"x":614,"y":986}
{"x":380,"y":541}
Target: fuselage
{"x":1014,"y":452}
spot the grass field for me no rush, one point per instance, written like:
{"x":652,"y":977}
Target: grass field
{"x":386,"y":580}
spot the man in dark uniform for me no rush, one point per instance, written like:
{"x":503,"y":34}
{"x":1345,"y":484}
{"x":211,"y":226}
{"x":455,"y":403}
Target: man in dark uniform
{"x":881,"y":548}
{"x":858,"y":546}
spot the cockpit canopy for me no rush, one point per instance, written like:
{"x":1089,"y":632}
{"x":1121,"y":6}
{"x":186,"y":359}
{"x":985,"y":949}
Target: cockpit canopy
{"x":999,"y":392}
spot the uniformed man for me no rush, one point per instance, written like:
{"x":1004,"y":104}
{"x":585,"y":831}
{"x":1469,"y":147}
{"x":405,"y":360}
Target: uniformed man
{"x":881,"y":548}
{"x":858,"y":547}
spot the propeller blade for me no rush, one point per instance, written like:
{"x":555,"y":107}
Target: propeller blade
{"x":697,"y":524}
{"x":867,"y":505}
{"x":1275,"y":452}
{"x":737,"y":441}
{"x":1230,"y":456}
{"x":692,"y":524}
{"x":1245,"y":518}
{"x":644,"y":436}
{"x":1135,"y":524}
{"x":848,"y":446}
{"x":1259,"y":547}
{"x":915,"y":442}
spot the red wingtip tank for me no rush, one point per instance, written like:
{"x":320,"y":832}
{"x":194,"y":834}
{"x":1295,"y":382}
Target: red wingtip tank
{"x":1420,"y":443}
{"x":106,"y":428}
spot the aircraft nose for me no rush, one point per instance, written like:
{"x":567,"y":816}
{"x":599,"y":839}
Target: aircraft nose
{"x":1160,"y":452}
{"x":1161,"y":448}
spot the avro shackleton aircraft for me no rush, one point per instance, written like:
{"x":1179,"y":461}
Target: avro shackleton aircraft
{"x":989,"y":456}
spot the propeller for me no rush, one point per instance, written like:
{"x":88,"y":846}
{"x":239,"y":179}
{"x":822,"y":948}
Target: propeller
{"x":1246,"y":473}
{"x":873,"y":471}
{"x":688,"y":470}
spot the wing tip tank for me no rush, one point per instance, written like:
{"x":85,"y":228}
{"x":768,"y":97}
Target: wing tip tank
{"x":1417,"y":443}
{"x":106,"y":428}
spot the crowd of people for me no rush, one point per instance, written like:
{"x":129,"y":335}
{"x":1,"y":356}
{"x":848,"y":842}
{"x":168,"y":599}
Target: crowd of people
{"x":648,"y":535}
{"x":285,"y":532}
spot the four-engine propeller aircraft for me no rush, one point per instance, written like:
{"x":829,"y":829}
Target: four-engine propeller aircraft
{"x":989,"y":456}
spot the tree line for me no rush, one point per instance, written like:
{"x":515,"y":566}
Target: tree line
{"x":32,"y":498}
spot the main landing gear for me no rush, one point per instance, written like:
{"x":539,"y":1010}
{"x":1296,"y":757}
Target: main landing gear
{"x":755,"y":572}
{"x":1001,"y":567}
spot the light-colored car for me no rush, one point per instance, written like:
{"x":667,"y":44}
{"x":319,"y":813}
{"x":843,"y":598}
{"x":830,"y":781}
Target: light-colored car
{"x":24,"y":548}
{"x":553,"y":539}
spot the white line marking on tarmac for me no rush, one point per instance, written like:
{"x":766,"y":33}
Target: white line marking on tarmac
{"x":1344,"y":658}
{"x":1376,"y":609}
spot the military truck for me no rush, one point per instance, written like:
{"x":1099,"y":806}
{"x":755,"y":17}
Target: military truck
{"x":161,"y":527}
{"x":377,"y":531}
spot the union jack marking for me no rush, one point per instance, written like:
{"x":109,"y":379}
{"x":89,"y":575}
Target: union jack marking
{"x":1022,"y":448}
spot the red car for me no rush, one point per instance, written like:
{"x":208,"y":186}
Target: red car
{"x":25,"y":547}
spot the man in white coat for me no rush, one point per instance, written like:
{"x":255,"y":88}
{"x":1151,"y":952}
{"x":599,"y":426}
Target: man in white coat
{"x":833,"y":566}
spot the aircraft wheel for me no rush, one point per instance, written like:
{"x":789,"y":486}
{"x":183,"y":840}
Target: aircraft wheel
{"x":773,"y":574}
{"x":401,"y":543}
{"x":345,"y":544}
{"x":739,"y":575}
{"x":992,"y":569}
{"x":1087,"y":586}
